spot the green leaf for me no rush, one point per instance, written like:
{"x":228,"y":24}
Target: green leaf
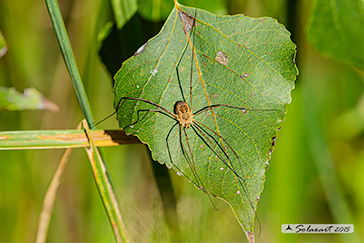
{"x":3,"y":45}
{"x":336,"y":29}
{"x":237,"y":61}
{"x":53,"y":139}
{"x":157,"y":10}
{"x":12,"y":100}
{"x":123,"y":10}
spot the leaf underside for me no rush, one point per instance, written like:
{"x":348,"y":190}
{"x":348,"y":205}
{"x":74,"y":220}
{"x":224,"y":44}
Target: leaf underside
{"x":237,"y":61}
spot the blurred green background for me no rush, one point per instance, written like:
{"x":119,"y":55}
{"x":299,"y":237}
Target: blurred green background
{"x":316,"y":171}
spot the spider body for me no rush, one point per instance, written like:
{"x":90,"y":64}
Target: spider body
{"x":183,"y":114}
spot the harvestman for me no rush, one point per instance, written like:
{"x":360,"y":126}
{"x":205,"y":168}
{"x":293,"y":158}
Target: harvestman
{"x":184,"y":118}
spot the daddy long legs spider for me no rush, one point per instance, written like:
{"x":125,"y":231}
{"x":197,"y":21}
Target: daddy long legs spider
{"x":220,"y":136}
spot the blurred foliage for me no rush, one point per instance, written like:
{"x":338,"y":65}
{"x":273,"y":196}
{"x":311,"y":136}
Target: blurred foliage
{"x":328,"y":95}
{"x":337,"y":29}
{"x":3,"y":45}
{"x":157,"y":10}
{"x":12,"y":100}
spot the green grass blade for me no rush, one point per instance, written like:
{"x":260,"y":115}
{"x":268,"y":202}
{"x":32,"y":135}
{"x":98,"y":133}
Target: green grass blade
{"x":106,"y":189}
{"x":66,"y":49}
{"x":53,"y":139}
{"x":105,"y":193}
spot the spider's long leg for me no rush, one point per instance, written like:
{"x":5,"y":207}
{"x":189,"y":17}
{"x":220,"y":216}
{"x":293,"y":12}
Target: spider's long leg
{"x":177,"y":72}
{"x":188,"y":145}
{"x":146,"y":113}
{"x":143,"y":100}
{"x":193,"y":167}
{"x":116,"y":110}
{"x":161,"y":109}
{"x":203,"y":137}
{"x":104,"y":119}
{"x":190,"y":164}
{"x":124,"y":99}
{"x":192,"y":57}
{"x":230,"y":164}
{"x":187,"y":29}
{"x":199,"y":124}
{"x":244,"y":110}
{"x":245,"y":186}
{"x":170,"y":155}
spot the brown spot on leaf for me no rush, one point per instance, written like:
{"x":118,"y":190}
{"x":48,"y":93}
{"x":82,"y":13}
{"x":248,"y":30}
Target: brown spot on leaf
{"x":187,"y":20}
{"x":222,"y":58}
{"x":245,"y":75}
{"x":274,"y":140}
